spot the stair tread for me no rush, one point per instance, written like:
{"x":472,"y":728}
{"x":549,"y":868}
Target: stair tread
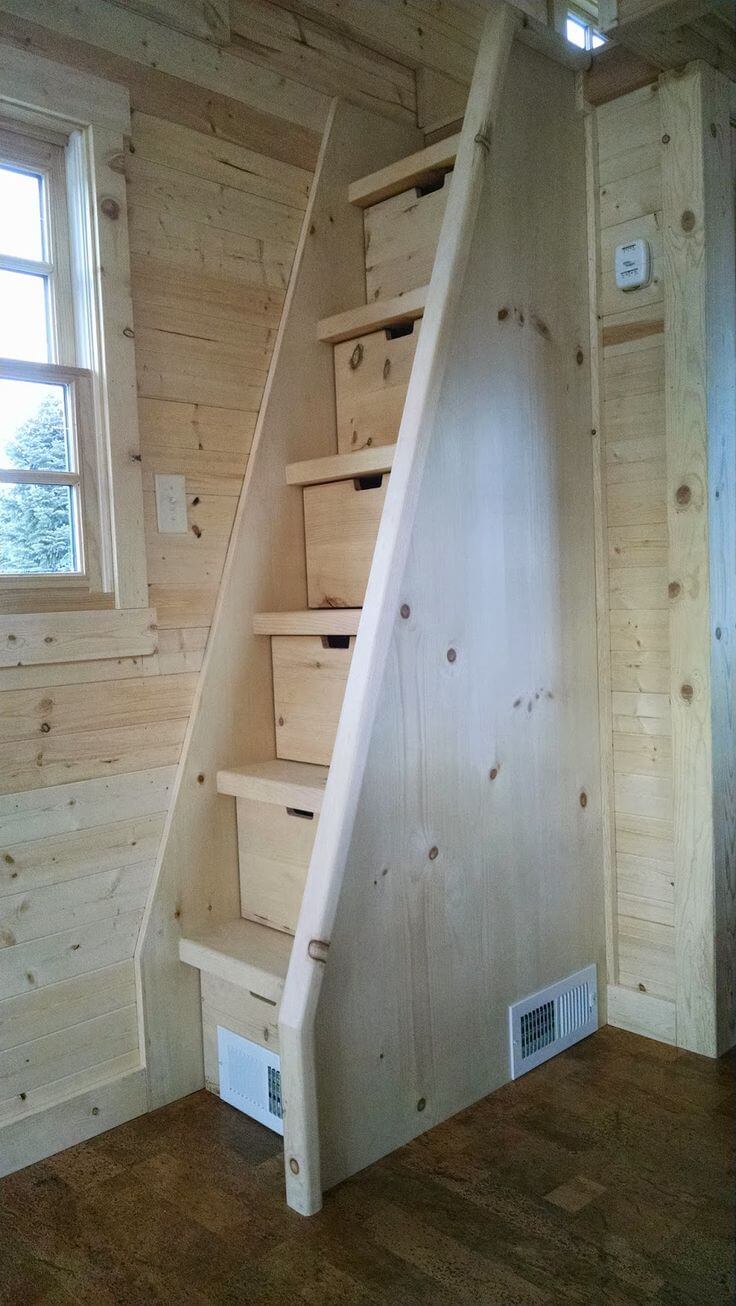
{"x":312,"y":621}
{"x":288,"y":784}
{"x":372,"y":317}
{"x":341,"y":466}
{"x":242,"y":952}
{"x":404,"y":173}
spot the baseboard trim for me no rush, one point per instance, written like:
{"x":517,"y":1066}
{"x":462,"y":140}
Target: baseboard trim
{"x":641,"y":1013}
{"x":72,"y":1120}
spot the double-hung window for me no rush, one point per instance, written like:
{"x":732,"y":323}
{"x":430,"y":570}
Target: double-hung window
{"x":47,"y":526}
{"x":71,"y":500}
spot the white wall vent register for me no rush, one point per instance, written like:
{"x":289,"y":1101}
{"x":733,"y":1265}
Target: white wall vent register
{"x":250,"y":1078}
{"x":553,"y":1019}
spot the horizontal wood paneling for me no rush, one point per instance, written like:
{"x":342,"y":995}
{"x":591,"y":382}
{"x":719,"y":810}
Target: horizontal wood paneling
{"x":31,"y":639}
{"x":224,"y":140}
{"x":633,"y":383}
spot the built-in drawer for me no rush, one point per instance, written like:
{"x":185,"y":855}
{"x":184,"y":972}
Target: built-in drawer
{"x":371,"y":379}
{"x":309,"y":675}
{"x":238,"y":1010}
{"x":274,"y":848}
{"x":401,"y":235}
{"x":341,"y":522}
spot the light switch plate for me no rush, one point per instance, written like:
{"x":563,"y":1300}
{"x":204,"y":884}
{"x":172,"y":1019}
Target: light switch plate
{"x":171,"y":505}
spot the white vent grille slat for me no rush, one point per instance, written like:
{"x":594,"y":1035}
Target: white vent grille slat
{"x":553,"y":1019}
{"x":250,"y":1078}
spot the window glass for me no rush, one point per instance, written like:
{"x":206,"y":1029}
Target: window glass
{"x":38,"y":530}
{"x":24,"y":326}
{"x":576,"y":32}
{"x":34,"y":427}
{"x":597,"y":40}
{"x":21,"y":214}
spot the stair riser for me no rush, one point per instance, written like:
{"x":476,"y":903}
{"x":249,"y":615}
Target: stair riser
{"x":308,"y":689}
{"x":401,"y":237}
{"x":371,"y":379}
{"x":274,"y":848}
{"x":341,"y":523}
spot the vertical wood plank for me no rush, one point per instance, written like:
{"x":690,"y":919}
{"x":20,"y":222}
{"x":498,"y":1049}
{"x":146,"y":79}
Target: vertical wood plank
{"x":700,"y":512}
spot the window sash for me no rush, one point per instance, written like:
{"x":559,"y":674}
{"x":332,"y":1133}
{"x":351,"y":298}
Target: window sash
{"x":48,"y":160}
{"x":83,"y":478}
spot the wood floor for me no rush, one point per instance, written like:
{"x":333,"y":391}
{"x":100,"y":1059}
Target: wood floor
{"x":604,"y":1177}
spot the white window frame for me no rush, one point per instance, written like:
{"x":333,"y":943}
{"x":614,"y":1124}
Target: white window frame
{"x":586,"y":16}
{"x":93,"y":115}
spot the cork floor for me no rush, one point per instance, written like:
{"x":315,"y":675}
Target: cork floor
{"x":605,"y":1176}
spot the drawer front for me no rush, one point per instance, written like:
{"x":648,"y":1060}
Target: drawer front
{"x":308,"y":688}
{"x":401,"y":235}
{"x":341,"y":523}
{"x":274,"y":848}
{"x":371,"y":380}
{"x":238,"y":1010}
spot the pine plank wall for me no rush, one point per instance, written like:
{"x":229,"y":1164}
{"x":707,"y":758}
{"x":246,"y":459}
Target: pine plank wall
{"x":224,"y":141}
{"x":642,"y":964}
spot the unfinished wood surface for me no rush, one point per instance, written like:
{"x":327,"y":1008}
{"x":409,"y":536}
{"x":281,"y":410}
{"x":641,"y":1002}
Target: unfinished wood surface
{"x":207,"y":19}
{"x":274,"y":37}
{"x":232,"y":722}
{"x":356,"y":322}
{"x":425,"y":735}
{"x":341,"y":467}
{"x":344,"y":621}
{"x":341,"y":523}
{"x":427,"y":166}
{"x":401,"y":236}
{"x":483,"y":733}
{"x":288,"y":784}
{"x":371,"y":379}
{"x":233,"y":1008}
{"x":701,"y":513}
{"x":600,"y":522}
{"x":34,"y":639}
{"x":634,"y":587}
{"x":309,"y":681}
{"x":243,"y":953}
{"x":274,"y":847}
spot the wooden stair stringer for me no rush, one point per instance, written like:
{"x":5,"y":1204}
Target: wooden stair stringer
{"x":300,"y":1004}
{"x":195,"y":882}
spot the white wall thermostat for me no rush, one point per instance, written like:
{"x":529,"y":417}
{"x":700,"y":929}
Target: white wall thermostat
{"x":633,"y":265}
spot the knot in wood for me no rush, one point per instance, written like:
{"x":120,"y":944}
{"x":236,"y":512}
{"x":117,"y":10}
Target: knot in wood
{"x":673,"y":589}
{"x":583,"y":799}
{"x":405,"y":611}
{"x":356,"y":358}
{"x":483,"y":140}
{"x":683,"y":495}
{"x":110,"y":208}
{"x":687,"y":221}
{"x":293,"y":1165}
{"x":687,"y":693}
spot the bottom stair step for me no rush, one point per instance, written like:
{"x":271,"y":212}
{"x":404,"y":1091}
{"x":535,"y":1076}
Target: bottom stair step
{"x":244,"y":953}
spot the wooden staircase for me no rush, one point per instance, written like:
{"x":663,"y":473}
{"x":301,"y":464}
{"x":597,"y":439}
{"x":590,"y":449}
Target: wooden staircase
{"x":243,"y":961}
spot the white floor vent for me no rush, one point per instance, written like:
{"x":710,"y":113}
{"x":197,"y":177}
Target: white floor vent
{"x":553,"y":1019}
{"x":250,"y":1078}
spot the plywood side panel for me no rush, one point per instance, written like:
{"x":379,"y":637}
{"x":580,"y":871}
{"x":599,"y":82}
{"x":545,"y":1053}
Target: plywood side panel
{"x":478,"y":820}
{"x":232,"y":722}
